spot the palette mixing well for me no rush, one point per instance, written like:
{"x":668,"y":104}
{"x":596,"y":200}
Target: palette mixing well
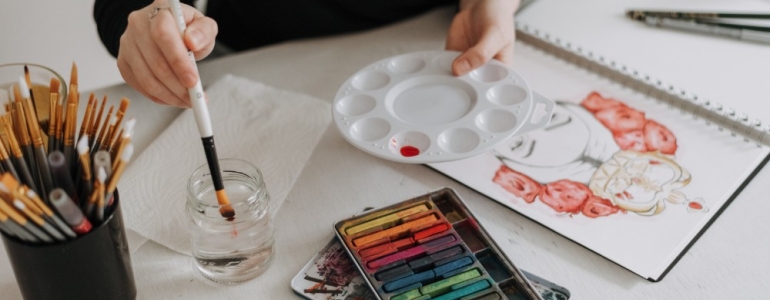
{"x":430,"y":247}
{"x":410,"y":108}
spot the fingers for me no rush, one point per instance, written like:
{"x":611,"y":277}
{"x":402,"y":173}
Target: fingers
{"x":491,"y":44}
{"x":200,"y":35}
{"x":146,"y":82}
{"x":166,"y":35}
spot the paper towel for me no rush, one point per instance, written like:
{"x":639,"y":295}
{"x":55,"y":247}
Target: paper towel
{"x":276,"y":130}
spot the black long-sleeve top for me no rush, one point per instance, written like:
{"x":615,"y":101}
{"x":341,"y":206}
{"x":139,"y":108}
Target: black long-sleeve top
{"x":245,"y":24}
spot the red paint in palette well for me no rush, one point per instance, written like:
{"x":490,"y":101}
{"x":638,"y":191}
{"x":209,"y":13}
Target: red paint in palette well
{"x":409,"y":151}
{"x":695,"y":205}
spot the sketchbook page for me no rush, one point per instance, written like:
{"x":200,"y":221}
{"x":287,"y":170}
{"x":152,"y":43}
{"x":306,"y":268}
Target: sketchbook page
{"x":726,"y":70}
{"x":615,"y":171}
{"x":274,"y":129}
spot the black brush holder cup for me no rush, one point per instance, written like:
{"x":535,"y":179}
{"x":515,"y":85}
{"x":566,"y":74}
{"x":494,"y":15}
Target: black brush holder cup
{"x":96,"y":265}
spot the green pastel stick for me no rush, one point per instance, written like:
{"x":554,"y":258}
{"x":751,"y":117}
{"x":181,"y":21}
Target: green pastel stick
{"x":472,"y":288}
{"x":410,"y":295}
{"x":440,"y":287}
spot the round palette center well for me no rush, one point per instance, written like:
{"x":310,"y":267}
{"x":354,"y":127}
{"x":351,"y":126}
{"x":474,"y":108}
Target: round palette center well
{"x":431,"y":101}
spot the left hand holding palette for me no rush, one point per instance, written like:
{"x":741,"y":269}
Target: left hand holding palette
{"x":430,"y":247}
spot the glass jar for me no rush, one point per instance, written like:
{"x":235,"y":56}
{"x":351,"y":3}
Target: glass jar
{"x":233,"y":251}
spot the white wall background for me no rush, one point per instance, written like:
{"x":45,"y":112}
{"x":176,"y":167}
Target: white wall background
{"x":54,"y":34}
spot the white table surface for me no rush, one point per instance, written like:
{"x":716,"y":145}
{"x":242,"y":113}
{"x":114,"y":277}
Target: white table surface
{"x":730,"y":261}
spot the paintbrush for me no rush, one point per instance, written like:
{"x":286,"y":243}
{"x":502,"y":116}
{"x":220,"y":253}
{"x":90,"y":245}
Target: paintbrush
{"x":112,"y":183}
{"x":52,"y":102}
{"x":25,"y":192}
{"x":23,"y":134}
{"x":85,"y":167}
{"x":125,"y":139}
{"x":124,"y":103}
{"x":59,"y":130}
{"x":31,"y":211}
{"x":18,"y":157}
{"x":203,"y":120}
{"x":110,"y":129}
{"x":87,"y":117}
{"x":95,"y":123}
{"x":14,"y":229}
{"x":44,"y":172}
{"x":19,"y":219}
{"x":97,"y":196}
{"x":5,"y":160}
{"x":103,"y":132}
{"x":69,"y":129}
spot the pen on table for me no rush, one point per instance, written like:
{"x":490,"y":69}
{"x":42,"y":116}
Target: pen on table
{"x":641,"y":14}
{"x":695,"y":25}
{"x":203,"y":120}
{"x":44,"y":172}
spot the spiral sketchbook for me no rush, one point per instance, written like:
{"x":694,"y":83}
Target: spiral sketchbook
{"x":629,"y":167}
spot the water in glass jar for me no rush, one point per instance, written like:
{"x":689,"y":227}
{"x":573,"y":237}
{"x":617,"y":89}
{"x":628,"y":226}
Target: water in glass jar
{"x":238,"y":250}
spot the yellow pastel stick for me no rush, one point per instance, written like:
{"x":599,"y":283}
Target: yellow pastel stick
{"x":395,"y":230}
{"x":386,"y":219}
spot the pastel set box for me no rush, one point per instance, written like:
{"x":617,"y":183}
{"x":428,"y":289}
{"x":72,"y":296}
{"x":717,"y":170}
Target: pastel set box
{"x":430,"y":247}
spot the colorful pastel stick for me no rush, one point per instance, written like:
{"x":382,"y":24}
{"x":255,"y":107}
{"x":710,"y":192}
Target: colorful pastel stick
{"x":429,"y":260}
{"x":386,"y":219}
{"x":443,"y":286}
{"x":407,"y":281}
{"x":430,"y":231}
{"x":396,"y":230}
{"x":453,"y":265}
{"x":460,"y":292}
{"x":411,"y":252}
{"x":386,"y":248}
{"x":393,"y":273}
{"x":410,"y":295}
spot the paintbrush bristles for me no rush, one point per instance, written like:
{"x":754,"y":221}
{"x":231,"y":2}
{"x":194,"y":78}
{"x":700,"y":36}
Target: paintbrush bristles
{"x":74,"y":74}
{"x":87,"y":116}
{"x":12,"y":142}
{"x":95,"y":123}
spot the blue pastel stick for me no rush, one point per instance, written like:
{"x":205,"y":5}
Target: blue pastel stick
{"x":465,"y":291}
{"x":408,"y":280}
{"x":453,"y":265}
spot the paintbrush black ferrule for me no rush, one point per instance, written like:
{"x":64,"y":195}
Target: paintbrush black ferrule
{"x":25,"y":175}
{"x":45,"y":173}
{"x":213,"y":161}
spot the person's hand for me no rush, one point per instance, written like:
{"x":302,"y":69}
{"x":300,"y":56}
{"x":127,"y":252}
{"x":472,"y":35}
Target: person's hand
{"x":482,"y":30}
{"x":153,"y":58}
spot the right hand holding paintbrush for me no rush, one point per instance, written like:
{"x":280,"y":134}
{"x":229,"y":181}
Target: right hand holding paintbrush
{"x":153,"y":60}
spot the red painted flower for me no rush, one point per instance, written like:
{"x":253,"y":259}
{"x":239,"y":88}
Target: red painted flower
{"x":518,"y":184}
{"x":598,"y":207}
{"x":658,"y":137}
{"x":632,"y":140}
{"x":565,"y":195}
{"x":621,"y":119}
{"x":595,"y":102}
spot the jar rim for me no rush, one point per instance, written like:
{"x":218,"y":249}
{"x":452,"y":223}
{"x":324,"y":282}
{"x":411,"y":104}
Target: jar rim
{"x":257,"y":176}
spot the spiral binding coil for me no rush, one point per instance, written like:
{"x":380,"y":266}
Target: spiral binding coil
{"x":710,"y":111}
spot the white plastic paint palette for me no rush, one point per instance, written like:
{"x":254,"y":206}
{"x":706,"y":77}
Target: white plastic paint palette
{"x":410,"y":108}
